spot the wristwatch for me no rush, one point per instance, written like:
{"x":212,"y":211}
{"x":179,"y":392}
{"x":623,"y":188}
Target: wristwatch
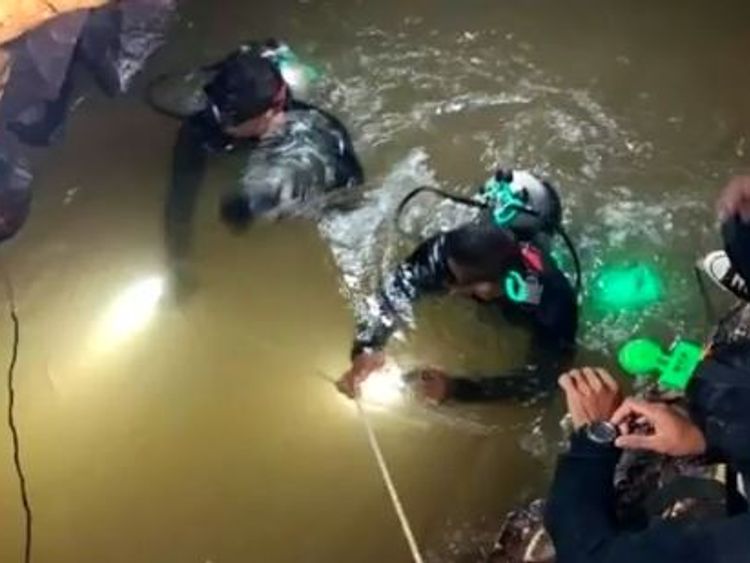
{"x":602,"y":432}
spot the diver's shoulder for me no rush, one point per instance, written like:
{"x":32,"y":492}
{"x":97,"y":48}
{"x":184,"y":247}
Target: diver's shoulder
{"x":299,"y":105}
{"x":318,"y":113}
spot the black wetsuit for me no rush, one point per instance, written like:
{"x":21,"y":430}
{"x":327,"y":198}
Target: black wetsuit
{"x":310,"y":155}
{"x":580,"y":512}
{"x":553,"y":320}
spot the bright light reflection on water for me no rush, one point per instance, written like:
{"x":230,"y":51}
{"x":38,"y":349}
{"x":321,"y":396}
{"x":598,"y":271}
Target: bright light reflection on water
{"x":131,"y":311}
{"x":385,"y":387}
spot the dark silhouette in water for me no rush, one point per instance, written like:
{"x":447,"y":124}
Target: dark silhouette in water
{"x":296,"y":153}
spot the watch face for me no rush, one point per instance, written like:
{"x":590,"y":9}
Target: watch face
{"x":602,"y":432}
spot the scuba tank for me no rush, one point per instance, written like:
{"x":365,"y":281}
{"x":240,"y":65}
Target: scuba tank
{"x":518,"y":201}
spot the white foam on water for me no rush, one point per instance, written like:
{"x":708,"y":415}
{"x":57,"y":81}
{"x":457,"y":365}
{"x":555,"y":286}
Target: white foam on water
{"x":357,"y":237}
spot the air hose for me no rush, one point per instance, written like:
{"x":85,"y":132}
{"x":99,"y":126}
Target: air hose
{"x":471,"y":202}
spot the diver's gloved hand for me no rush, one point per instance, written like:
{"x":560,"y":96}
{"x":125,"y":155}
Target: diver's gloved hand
{"x":431,"y":385}
{"x":363,"y":364}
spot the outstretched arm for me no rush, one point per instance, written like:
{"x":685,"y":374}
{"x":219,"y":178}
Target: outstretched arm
{"x":546,"y":360}
{"x":188,"y":169}
{"x":425,"y":271}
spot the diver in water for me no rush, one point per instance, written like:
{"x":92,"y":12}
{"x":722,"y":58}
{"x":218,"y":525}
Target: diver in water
{"x":507,"y":269}
{"x":295,"y":153}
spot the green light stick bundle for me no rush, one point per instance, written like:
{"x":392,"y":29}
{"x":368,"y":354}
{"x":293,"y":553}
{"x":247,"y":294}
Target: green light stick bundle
{"x":643,"y":357}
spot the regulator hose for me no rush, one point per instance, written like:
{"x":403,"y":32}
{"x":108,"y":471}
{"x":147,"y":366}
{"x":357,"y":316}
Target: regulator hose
{"x":437,"y":191}
{"x":470,"y":202}
{"x":574,"y":254}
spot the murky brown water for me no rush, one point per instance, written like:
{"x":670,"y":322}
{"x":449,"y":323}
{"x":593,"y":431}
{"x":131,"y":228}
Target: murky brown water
{"x":206,"y":431}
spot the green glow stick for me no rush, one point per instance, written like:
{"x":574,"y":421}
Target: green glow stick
{"x":674,"y":369}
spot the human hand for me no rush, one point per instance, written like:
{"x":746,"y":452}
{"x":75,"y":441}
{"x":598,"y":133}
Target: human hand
{"x":362,"y":366}
{"x":735,"y":199}
{"x":430,"y":384}
{"x":592,"y":395}
{"x":671,"y":433}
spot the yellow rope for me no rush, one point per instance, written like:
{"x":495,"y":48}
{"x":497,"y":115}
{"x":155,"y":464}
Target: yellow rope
{"x":403,"y":520}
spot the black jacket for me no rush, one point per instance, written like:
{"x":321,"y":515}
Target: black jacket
{"x":553,"y":321}
{"x":580,"y":518}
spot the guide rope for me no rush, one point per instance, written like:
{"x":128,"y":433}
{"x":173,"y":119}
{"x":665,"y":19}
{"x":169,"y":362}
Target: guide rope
{"x":389,"y":485}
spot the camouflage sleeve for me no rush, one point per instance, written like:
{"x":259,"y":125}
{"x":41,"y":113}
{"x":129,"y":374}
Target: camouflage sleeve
{"x":424,"y":272}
